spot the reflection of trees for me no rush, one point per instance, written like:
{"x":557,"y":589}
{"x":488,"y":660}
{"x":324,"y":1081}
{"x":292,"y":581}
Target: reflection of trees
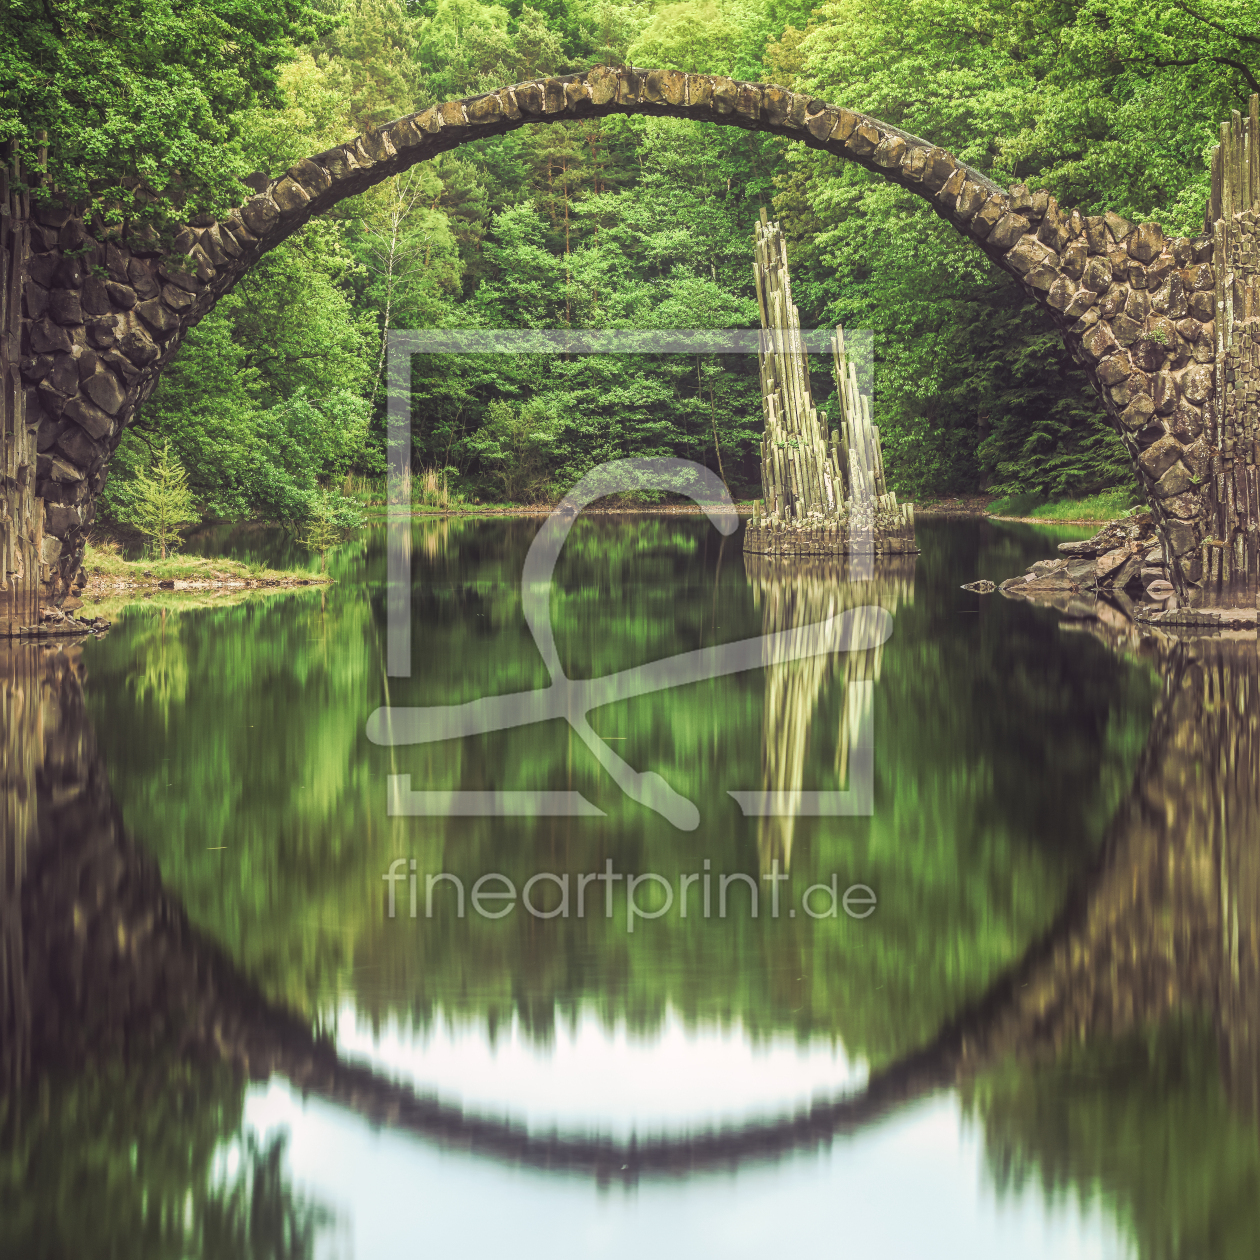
{"x":980,"y":823}
{"x":1132,"y":1039}
{"x":161,"y":675}
{"x":1141,"y":1121}
{"x":1163,"y":926}
{"x":795,"y":594}
{"x":108,"y":1129}
{"x":146,"y":1159}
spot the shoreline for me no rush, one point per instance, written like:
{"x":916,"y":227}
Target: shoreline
{"x":107,"y":585}
{"x":742,"y":509}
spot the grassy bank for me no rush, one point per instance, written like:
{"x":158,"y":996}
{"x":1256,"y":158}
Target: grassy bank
{"x":106,"y":567}
{"x":1107,"y":505}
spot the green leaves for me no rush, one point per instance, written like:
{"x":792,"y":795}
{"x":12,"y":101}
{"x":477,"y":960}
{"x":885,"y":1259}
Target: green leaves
{"x":161,"y":502}
{"x":141,"y":102}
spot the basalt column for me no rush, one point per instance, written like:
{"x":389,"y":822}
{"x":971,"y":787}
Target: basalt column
{"x":21,"y":514}
{"x":825,"y":493}
{"x":1230,"y":551}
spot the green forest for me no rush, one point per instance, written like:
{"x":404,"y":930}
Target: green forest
{"x":159,"y":107}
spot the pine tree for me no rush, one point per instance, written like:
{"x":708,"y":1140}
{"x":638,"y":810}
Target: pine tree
{"x":162,"y":502}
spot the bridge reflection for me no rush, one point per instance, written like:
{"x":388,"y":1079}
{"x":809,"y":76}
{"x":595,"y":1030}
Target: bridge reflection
{"x":100,"y":966}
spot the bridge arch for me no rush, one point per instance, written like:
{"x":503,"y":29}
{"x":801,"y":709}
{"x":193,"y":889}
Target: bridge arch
{"x":106,"y":309}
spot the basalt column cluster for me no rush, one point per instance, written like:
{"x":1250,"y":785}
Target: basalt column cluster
{"x":825,"y":493}
{"x":1230,"y":551}
{"x":21,"y":520}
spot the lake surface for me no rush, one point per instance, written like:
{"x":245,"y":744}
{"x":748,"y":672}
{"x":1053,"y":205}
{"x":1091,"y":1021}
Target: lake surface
{"x":1032,"y":1030}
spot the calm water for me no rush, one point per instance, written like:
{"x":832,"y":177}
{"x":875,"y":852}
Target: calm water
{"x":1044,"y":1040}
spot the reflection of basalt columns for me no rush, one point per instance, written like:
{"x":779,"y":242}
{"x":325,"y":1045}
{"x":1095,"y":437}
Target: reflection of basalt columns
{"x":824,"y":494}
{"x":32,"y":744}
{"x":1169,"y":922}
{"x":798,"y":596}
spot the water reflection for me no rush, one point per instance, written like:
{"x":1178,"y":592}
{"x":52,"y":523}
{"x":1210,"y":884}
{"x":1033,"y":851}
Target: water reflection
{"x":590,"y":1079}
{"x":1058,"y":992}
{"x":792,"y":595}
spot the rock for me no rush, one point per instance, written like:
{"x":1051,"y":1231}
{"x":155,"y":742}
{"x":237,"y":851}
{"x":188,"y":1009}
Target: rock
{"x":1159,"y":457}
{"x":1138,"y":413}
{"x":1181,"y":536}
{"x":1120,"y":228}
{"x":1108,"y":564}
{"x":1160,"y":589}
{"x":1147,"y":242}
{"x":1082,"y":572}
{"x":983,"y":587}
{"x":1176,"y":480}
{"x":1061,"y":581}
{"x":1196,"y":383}
{"x":1127,"y":572}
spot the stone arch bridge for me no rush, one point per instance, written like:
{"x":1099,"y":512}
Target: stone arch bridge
{"x":1168,"y":331}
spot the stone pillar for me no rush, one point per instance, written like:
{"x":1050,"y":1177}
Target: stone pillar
{"x":1230,"y":551}
{"x":21,"y":515}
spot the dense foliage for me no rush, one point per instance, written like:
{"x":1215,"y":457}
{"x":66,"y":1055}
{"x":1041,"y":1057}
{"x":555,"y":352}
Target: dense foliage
{"x":625,"y":222}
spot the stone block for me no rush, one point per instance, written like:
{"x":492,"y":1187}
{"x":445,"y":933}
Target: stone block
{"x":105,"y":390}
{"x":865,"y":139}
{"x":988,"y":214}
{"x":1061,"y":293}
{"x":970,"y":199}
{"x":889,"y":152}
{"x":46,"y":337}
{"x":1096,"y":275}
{"x":1147,"y":242}
{"x":1176,"y":480}
{"x":1161,"y":456}
{"x":65,"y":306}
{"x":1203,"y":306}
{"x":556,"y":102}
{"x":121,"y":296}
{"x":95,"y":422}
{"x":1028,"y":251}
{"x":259,"y":215}
{"x":1182,"y":536}
{"x":1115,"y":369}
{"x":1074,"y":259}
{"x":1164,"y":393}
{"x":1196,"y":383}
{"x":290,"y":196}
{"x":1137,"y":415}
{"x":1008,"y":229}
{"x":160,"y":320}
{"x":1118,"y":227}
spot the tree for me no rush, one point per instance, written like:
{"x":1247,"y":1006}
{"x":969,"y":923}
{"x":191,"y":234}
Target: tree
{"x":161,"y":502}
{"x":329,"y":516}
{"x":141,"y":102}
